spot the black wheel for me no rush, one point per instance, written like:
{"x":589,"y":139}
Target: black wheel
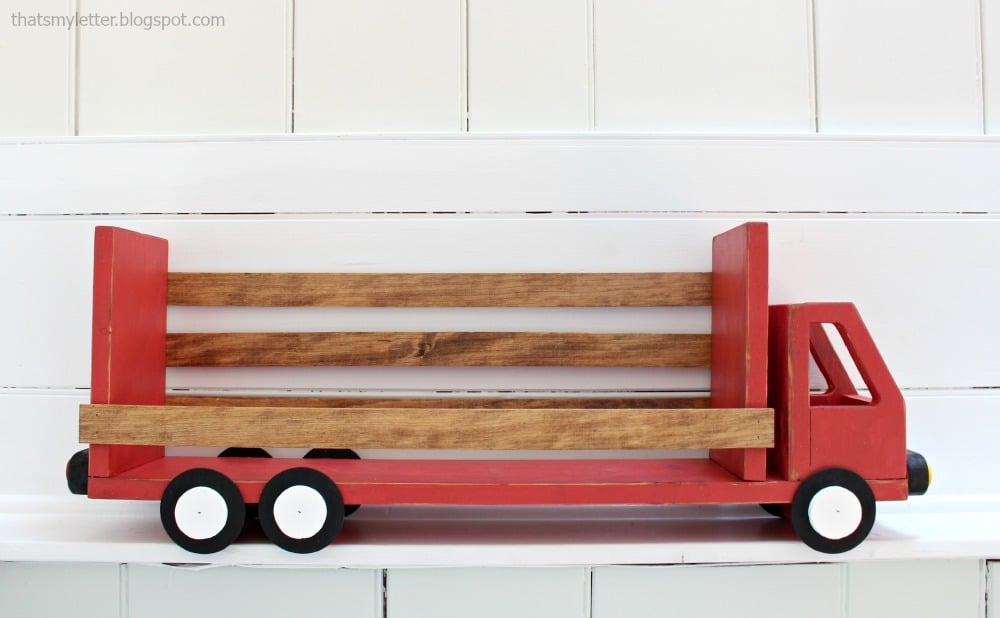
{"x":833,"y":510}
{"x":202,"y":511}
{"x":918,"y":473}
{"x":301,"y":510}
{"x":245,"y":451}
{"x":336,"y":453}
{"x":777,"y":510}
{"x":78,"y":472}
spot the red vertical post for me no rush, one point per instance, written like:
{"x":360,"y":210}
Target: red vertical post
{"x":739,"y":335}
{"x":128,"y":354}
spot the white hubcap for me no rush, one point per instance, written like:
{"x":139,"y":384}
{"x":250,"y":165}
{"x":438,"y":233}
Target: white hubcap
{"x":835,"y":512}
{"x":201,"y":513}
{"x":300,"y":512}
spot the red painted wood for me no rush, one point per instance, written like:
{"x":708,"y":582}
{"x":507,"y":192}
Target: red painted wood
{"x":788,"y":394}
{"x":868,"y":437}
{"x":685,"y":481}
{"x":739,"y":335}
{"x":128,"y":357}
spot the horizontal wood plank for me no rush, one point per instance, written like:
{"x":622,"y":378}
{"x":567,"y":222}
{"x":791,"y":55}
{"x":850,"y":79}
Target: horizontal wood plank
{"x":431,"y":428}
{"x":488,"y":403}
{"x":441,"y":349}
{"x":440,"y":290}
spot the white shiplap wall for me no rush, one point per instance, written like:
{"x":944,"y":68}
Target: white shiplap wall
{"x":883,"y":223}
{"x":683,"y":66}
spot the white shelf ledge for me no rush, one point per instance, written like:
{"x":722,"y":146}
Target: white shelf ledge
{"x":74,"y":529}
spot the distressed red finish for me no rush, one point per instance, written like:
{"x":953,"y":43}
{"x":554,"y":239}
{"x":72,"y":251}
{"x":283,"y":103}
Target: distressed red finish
{"x":128,"y":358}
{"x":739,"y":335}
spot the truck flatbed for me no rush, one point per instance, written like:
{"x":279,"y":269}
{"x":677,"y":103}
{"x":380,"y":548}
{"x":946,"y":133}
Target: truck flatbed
{"x":488,"y":482}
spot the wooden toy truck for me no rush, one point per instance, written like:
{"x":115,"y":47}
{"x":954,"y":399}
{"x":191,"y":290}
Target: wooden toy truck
{"x":819,"y":458}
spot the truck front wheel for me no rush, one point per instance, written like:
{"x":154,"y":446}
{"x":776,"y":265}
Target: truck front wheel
{"x":833,"y":510}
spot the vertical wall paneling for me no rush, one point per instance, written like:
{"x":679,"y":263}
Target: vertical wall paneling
{"x":754,"y":592}
{"x":702,"y":66}
{"x":993,"y":589}
{"x":991,"y":64}
{"x":488,"y":592}
{"x":952,"y":588}
{"x":35,"y":69}
{"x":528,"y":65}
{"x":230,"y":78}
{"x":166,"y":592}
{"x":898,"y":66}
{"x":383,"y":65}
{"x":43,"y":590}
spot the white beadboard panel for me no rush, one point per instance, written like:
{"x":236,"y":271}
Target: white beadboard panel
{"x":383,"y":65}
{"x":991,"y":64}
{"x":40,"y":430}
{"x":40,"y":590}
{"x":703,"y":66}
{"x":186,"y":80}
{"x":898,"y":67}
{"x":478,"y":174}
{"x":910,"y":278}
{"x":761,"y":591}
{"x":488,"y":593}
{"x":528,"y":65}
{"x":156,"y":591}
{"x":928,"y":588}
{"x":992,"y":589}
{"x":35,"y":69}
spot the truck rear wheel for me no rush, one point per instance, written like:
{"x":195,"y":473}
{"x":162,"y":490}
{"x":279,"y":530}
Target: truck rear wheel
{"x":202,"y":511}
{"x":833,"y":511}
{"x":301,"y":510}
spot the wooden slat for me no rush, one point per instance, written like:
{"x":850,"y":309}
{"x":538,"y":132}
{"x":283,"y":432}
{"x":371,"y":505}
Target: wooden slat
{"x":441,"y":290}
{"x":491,"y":403}
{"x":417,"y":428}
{"x":404,"y":349}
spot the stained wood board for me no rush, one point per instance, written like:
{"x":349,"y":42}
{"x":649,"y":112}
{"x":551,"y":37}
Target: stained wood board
{"x":440,"y":289}
{"x":442,"y":349}
{"x":428,"y":428}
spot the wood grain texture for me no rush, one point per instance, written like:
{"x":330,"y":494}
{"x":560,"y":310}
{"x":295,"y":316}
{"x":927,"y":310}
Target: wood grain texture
{"x":489,"y":403}
{"x":440,"y":290}
{"x":416,"y":428}
{"x":442,"y":349}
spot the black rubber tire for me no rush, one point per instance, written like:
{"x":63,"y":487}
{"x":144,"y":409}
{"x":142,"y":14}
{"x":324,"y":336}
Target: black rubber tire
{"x":253,"y":452}
{"x":832,"y":477}
{"x":777,"y":510}
{"x":78,"y":472}
{"x":331,"y":496}
{"x":244,"y":451}
{"x":203,"y":477}
{"x":918,"y":473}
{"x":336,"y":453}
